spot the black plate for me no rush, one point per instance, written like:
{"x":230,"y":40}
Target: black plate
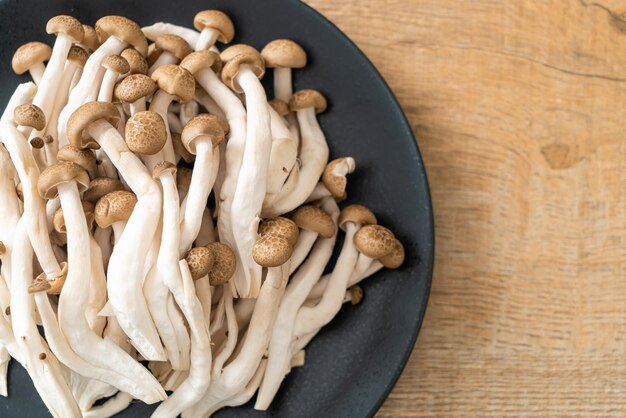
{"x":354,"y":362}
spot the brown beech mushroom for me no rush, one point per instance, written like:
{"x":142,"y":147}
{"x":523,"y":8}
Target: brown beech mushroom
{"x":115,"y":66}
{"x":136,"y":61}
{"x":135,"y":90}
{"x":283,"y":55}
{"x":31,"y":57}
{"x":173,"y":49}
{"x":90,"y":40}
{"x":214,"y":26}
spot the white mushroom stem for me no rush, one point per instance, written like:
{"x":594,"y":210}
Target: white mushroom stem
{"x":138,"y":105}
{"x":97,"y":289}
{"x":36,"y":72}
{"x":207,"y":39}
{"x":160,"y":103}
{"x":103,"y":239}
{"x":207,"y":101}
{"x":207,"y":229}
{"x":108,"y":84}
{"x":76,"y":78}
{"x":319,"y":192}
{"x":111,"y":407}
{"x":10,"y":212}
{"x":283,"y":87}
{"x":160,"y":28}
{"x":283,"y":155}
{"x":188,"y":111}
{"x":174,"y":122}
{"x":233,"y":330}
{"x":24,"y":93}
{"x":306,"y":240}
{"x":4,"y":366}
{"x":355,"y":278}
{"x":165,"y":58}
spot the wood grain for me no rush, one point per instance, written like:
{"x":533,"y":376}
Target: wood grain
{"x":519,"y":110}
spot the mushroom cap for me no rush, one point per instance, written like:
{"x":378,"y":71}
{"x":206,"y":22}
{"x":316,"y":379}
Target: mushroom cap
{"x":180,"y":149}
{"x":47,"y":139}
{"x":59,"y":221}
{"x":153,"y":54}
{"x":283,"y":53}
{"x":68,"y":26}
{"x":90,"y":40}
{"x":116,"y":64}
{"x":282,"y":227}
{"x":77,"y":55}
{"x":395,"y":258}
{"x":306,"y":98}
{"x":236,"y":56}
{"x":29,"y":115}
{"x":203,"y":126}
{"x":136,"y":61}
{"x":334,"y":176}
{"x":183,"y":179}
{"x":176,"y":81}
{"x":3,"y":248}
{"x":271,"y":250}
{"x":173,"y":44}
{"x":134,"y":87}
{"x":123,"y":29}
{"x":30,"y":54}
{"x":224,"y":264}
{"x":60,"y":173}
{"x":114,"y":207}
{"x":163,"y":167}
{"x":375,"y":241}
{"x":100,"y":186}
{"x":37,"y":142}
{"x":280,"y":107}
{"x":83,"y":157}
{"x":200,"y":261}
{"x":82,"y":117}
{"x":145,"y":133}
{"x":313,"y":218}
{"x":358,"y":214}
{"x":199,"y":60}
{"x":219,"y":21}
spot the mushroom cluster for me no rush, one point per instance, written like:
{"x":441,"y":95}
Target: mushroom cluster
{"x":165,"y":223}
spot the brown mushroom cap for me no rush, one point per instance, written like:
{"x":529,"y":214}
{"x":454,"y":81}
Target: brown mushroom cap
{"x":153,"y":54}
{"x":234,"y":58}
{"x":202,"y":126}
{"x":30,"y":54}
{"x":176,"y":81}
{"x":145,"y":133}
{"x":100,"y":186}
{"x":283,"y":53}
{"x":224,"y":264}
{"x":116,"y":64}
{"x":183,"y":179}
{"x":173,"y":44}
{"x":216,"y":20}
{"x":282,"y":227}
{"x":280,"y":107}
{"x":52,"y":287}
{"x":134,"y":87}
{"x":114,"y":207}
{"x":3,"y":248}
{"x":304,"y":99}
{"x":375,"y":241}
{"x":82,"y":117}
{"x":163,"y":167}
{"x":356,"y":294}
{"x":313,"y":218}
{"x":395,"y":258}
{"x":199,"y":60}
{"x":77,"y":55}
{"x":180,"y":149}
{"x":60,"y":173}
{"x":58,"y":220}
{"x":68,"y":26}
{"x":271,"y":250}
{"x":90,"y":40}
{"x":335,"y":182}
{"x":358,"y":214}
{"x":83,"y":157}
{"x":123,"y":29}
{"x":136,"y":61}
{"x":200,"y":261}
{"x":37,"y":142}
{"x":29,"y":115}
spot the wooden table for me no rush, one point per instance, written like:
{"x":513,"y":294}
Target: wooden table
{"x":519,"y":108}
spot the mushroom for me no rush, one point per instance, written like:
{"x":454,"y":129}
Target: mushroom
{"x":283,"y":155}
{"x":334,"y":176}
{"x":313,"y":222}
{"x":213,"y":26}
{"x":10,"y":215}
{"x":153,"y":32}
{"x":283,"y":55}
{"x":173,"y":49}
{"x":90,"y":40}
{"x":136,"y":61}
{"x":115,"y":67}
{"x":83,"y":157}
{"x":23,"y":94}
{"x":90,"y":126}
{"x":31,"y":57}
{"x":135,"y":90}
{"x":28,"y":117}
{"x":99,"y":187}
{"x":188,"y":111}
{"x":146,"y":134}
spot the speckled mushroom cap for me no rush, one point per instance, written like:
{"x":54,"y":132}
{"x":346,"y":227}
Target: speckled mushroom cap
{"x":123,"y":29}
{"x":58,"y":221}
{"x":100,"y":186}
{"x":358,"y":214}
{"x":173,"y":44}
{"x":134,"y":87}
{"x":282,"y":227}
{"x":374,"y":241}
{"x":307,"y":98}
{"x":37,"y":142}
{"x":176,"y":81}
{"x":116,"y":63}
{"x":163,"y":167}
{"x":68,"y":26}
{"x":183,"y":179}
{"x":200,"y":261}
{"x":202,"y":126}
{"x":313,"y":218}
{"x":280,"y":107}
{"x":86,"y":114}
{"x":29,"y":115}
{"x":199,"y":60}
{"x":224,"y":263}
{"x":60,"y":173}
{"x":334,"y":176}
{"x":114,"y":207}
{"x":29,"y":55}
{"x":83,"y":157}
{"x":180,"y":149}
{"x":216,"y":20}
{"x":271,"y":250}
{"x":283,"y":53}
{"x":234,"y":58}
{"x":90,"y":40}
{"x":77,"y":55}
{"x":395,"y":258}
{"x":136,"y":61}
{"x":145,"y":133}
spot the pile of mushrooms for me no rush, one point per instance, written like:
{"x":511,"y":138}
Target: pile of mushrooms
{"x":165,"y":223}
